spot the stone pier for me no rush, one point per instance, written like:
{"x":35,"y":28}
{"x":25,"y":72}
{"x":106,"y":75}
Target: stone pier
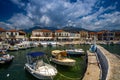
{"x":102,"y":66}
{"x":93,"y":71}
{"x":110,"y":64}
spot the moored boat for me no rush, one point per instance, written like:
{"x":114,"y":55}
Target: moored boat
{"x":38,"y":68}
{"x":74,"y":52}
{"x":5,"y":58}
{"x":4,"y":47}
{"x":13,"y":48}
{"x":22,"y":46}
{"x":59,"y":57}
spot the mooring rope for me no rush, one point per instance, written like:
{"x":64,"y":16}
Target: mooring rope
{"x":69,"y":77}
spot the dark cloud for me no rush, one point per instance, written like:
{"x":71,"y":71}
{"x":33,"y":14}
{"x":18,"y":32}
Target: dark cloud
{"x":89,"y":14}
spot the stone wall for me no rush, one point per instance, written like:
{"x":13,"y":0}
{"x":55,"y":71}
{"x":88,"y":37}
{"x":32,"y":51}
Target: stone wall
{"x":104,"y":63}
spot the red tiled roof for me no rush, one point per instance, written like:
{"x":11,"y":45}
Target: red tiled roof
{"x":12,"y":30}
{"x":42,"y":30}
{"x":45,"y":30}
{"x":99,"y":32}
{"x":2,"y":30}
{"x":92,"y":33}
{"x":117,"y":32}
{"x":59,"y":31}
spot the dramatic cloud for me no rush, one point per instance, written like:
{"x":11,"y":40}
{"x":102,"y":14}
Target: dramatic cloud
{"x":5,"y":25}
{"x":20,"y":21}
{"x":55,"y":12}
{"x":98,"y":20}
{"x":88,"y":14}
{"x":18,"y":2}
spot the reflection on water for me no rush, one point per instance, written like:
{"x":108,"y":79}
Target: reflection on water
{"x":16,"y":68}
{"x":115,"y":49}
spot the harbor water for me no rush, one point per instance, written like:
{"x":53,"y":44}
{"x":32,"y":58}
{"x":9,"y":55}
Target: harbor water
{"x":114,"y":49}
{"x":15,"y":70}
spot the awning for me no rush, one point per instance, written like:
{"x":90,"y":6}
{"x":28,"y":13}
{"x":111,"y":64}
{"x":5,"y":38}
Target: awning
{"x":41,"y":37}
{"x":35,"y":54}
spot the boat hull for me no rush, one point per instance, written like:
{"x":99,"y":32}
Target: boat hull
{"x":75,"y":52}
{"x":38,"y":75}
{"x":7,"y":60}
{"x":61,"y":62}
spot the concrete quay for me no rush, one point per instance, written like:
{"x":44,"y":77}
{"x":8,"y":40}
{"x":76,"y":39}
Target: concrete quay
{"x":84,"y":42}
{"x":110,"y":64}
{"x":93,"y":71}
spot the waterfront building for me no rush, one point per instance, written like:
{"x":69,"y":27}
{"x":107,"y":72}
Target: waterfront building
{"x":83,"y":35}
{"x":42,"y":34}
{"x":15,"y":36}
{"x":117,"y":36}
{"x":106,"y":35}
{"x":99,"y":35}
{"x":61,"y":35}
{"x":74,"y":36}
{"x":92,"y":35}
{"x":21,"y":35}
{"x":2,"y":34}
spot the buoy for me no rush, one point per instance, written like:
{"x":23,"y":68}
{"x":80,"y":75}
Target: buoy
{"x":8,"y":75}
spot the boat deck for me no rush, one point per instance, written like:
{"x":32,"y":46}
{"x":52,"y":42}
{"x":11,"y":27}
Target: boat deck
{"x":66,"y":60}
{"x":93,"y":70}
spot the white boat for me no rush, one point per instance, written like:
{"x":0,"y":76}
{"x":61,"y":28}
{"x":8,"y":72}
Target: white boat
{"x":22,"y":46}
{"x":5,"y":58}
{"x":38,"y":68}
{"x":32,"y":45}
{"x":74,"y":52}
{"x":59,"y":57}
{"x":4,"y":47}
{"x":13,"y":48}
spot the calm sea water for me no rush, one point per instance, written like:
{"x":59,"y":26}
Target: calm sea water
{"x":16,"y":69}
{"x":115,"y":49}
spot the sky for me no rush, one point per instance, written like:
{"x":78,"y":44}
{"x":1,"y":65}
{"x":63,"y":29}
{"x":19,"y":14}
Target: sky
{"x":87,"y":14}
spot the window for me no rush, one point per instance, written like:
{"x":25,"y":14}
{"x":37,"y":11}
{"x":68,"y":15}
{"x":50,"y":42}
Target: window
{"x":7,"y":33}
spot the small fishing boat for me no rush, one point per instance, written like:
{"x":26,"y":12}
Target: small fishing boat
{"x":13,"y":48}
{"x":74,"y":52}
{"x":5,"y":58}
{"x":59,"y":57}
{"x":49,"y":45}
{"x":22,"y":46}
{"x":38,"y":68}
{"x":4,"y":47}
{"x":32,"y":45}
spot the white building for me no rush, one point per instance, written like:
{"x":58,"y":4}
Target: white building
{"x":74,"y":36}
{"x":42,"y":34}
{"x":2,"y":34}
{"x":15,"y":35}
{"x":61,"y":35}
